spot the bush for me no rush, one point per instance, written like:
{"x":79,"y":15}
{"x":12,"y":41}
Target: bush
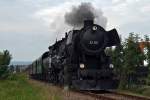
{"x":12,"y":77}
{"x":4,"y":72}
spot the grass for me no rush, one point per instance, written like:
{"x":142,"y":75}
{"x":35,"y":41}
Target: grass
{"x":142,"y":91}
{"x":19,"y":87}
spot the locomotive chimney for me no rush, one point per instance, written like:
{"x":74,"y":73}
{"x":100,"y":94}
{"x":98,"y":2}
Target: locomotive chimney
{"x":88,"y":23}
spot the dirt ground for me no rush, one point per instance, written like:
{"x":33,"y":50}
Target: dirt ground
{"x":55,"y":93}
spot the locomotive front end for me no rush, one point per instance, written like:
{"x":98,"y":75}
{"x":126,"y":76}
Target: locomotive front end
{"x":92,"y":38}
{"x":94,"y":69}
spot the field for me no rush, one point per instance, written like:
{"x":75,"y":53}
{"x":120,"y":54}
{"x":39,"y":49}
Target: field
{"x":19,"y":87}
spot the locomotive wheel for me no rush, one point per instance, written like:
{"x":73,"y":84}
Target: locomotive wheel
{"x":61,"y":78}
{"x":53,"y":78}
{"x":67,"y":78}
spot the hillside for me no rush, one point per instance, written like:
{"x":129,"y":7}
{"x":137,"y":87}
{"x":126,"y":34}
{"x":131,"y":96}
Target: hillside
{"x":20,"y":62}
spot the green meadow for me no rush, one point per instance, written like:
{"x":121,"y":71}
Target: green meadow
{"x":19,"y":87}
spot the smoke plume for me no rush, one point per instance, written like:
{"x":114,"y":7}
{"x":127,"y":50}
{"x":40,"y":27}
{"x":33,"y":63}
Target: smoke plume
{"x":85,"y":11}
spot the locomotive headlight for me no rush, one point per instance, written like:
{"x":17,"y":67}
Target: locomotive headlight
{"x":94,"y":28}
{"x":82,"y":66}
{"x":111,"y":66}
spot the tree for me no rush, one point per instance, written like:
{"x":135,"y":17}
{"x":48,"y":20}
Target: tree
{"x":147,"y":54}
{"x":117,"y":56}
{"x":133,"y":57}
{"x":1,"y":58}
{"x":5,"y":58}
{"x":126,"y":58}
{"x":147,"y":40}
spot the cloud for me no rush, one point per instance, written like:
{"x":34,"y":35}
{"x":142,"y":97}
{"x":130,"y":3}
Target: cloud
{"x":127,"y":16}
{"x":22,"y":34}
{"x":118,"y":12}
{"x":54,"y":17}
{"x":28,"y":27}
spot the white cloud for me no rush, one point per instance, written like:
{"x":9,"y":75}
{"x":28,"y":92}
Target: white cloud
{"x":128,"y":16}
{"x":29,"y":26}
{"x":54,"y":18}
{"x":120,"y":13}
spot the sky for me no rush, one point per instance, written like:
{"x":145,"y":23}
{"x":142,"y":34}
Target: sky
{"x":28,"y":27}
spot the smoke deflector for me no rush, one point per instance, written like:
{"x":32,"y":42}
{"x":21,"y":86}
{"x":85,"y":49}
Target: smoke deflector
{"x":113,"y":38}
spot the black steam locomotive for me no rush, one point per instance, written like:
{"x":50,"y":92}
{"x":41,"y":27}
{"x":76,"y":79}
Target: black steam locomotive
{"x":79,"y":60}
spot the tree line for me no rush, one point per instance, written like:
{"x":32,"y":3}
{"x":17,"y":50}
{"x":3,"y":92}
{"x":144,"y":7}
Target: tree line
{"x":128,"y":57}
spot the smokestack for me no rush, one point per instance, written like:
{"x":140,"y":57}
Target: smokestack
{"x":88,"y":23}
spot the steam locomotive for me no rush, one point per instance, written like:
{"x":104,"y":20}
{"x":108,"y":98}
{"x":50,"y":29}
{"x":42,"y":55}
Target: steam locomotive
{"x":78,"y":60}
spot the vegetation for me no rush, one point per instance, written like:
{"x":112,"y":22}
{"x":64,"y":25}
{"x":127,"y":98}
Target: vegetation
{"x":19,"y":87}
{"x":5,"y":58}
{"x":140,"y":91}
{"x":147,"y":39}
{"x":127,"y":57}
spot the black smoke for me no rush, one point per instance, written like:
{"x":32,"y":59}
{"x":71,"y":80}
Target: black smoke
{"x":85,"y":11}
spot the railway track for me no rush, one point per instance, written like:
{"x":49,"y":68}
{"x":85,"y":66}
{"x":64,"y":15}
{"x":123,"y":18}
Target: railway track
{"x":112,"y":95}
{"x":106,"y":95}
